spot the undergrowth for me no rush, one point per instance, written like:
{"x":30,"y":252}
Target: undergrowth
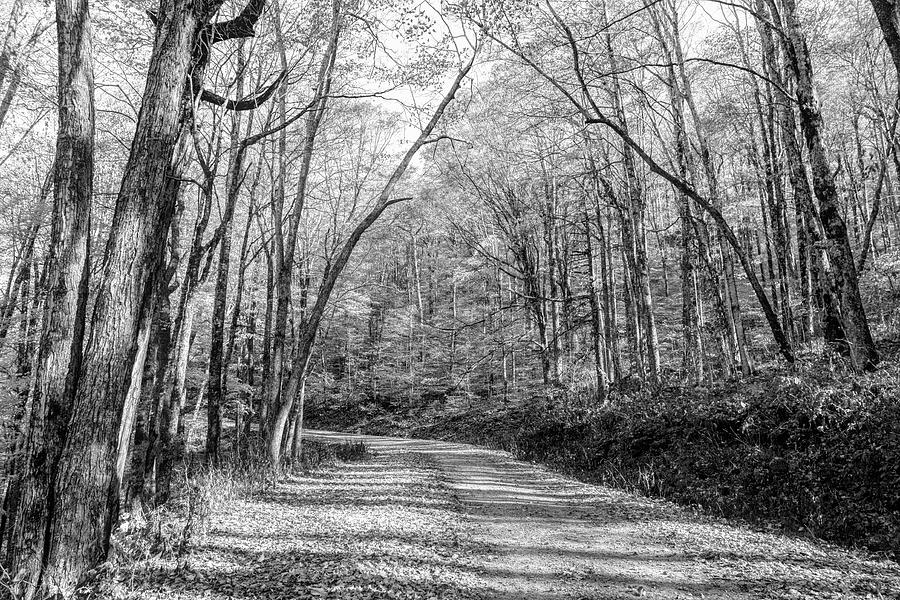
{"x":814,"y":450}
{"x":162,"y":536}
{"x":817,"y":451}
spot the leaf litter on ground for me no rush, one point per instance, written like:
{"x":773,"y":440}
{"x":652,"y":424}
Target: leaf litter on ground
{"x":426,"y":520}
{"x":381,"y":529}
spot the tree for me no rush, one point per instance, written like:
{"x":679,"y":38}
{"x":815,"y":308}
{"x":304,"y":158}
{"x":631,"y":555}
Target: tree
{"x":863,"y":353}
{"x":592,"y":114}
{"x":84,"y":485}
{"x":310,"y":327}
{"x":32,"y":497}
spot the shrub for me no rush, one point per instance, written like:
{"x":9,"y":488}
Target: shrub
{"x":352,"y":451}
{"x":817,"y":451}
{"x":315,"y":454}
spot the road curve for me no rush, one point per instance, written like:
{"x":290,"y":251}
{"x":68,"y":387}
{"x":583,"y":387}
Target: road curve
{"x":431,"y":520}
{"x":541,"y":535}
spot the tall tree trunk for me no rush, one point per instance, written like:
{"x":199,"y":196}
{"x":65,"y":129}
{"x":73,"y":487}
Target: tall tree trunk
{"x":233,"y":179}
{"x":286,"y":246}
{"x":81,"y":522}
{"x":863,"y":354}
{"x":552,"y":304}
{"x":815,"y":278}
{"x":692,"y":356}
{"x":279,"y":282}
{"x":637,"y":208}
{"x":597,"y":325}
{"x":62,"y":332}
{"x":85,"y":491}
{"x":266,"y":357}
{"x":214,"y":397}
{"x":236,"y":315}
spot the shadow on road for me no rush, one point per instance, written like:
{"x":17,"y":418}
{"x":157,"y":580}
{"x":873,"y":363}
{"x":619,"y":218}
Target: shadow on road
{"x":425,"y":520}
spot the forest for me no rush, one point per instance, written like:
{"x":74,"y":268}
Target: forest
{"x":651,"y":246}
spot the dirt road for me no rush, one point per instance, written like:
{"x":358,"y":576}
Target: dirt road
{"x":426,"y":519}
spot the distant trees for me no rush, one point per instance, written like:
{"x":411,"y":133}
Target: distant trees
{"x":578,"y":232}
{"x":15,"y":53}
{"x":586,"y":64}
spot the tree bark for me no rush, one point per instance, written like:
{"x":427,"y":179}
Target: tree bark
{"x":85,"y":486}
{"x":886,"y":11}
{"x":62,"y":331}
{"x":863,"y":354}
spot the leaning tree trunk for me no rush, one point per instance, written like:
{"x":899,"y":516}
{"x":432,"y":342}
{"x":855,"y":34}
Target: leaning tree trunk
{"x":888,"y":14}
{"x":310,"y":326}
